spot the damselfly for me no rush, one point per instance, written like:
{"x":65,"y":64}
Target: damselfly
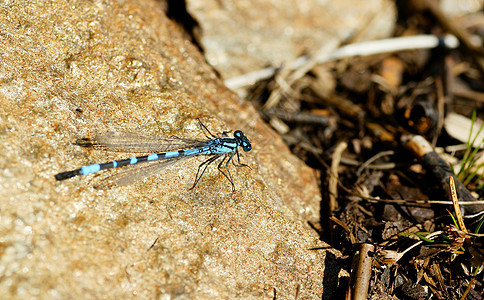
{"x":167,"y":151}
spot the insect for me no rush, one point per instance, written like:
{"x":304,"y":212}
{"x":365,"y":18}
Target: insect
{"x":166,"y":151}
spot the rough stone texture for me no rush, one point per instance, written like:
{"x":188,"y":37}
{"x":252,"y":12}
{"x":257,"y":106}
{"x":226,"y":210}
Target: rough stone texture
{"x":70,"y":69}
{"x":240,"y":36}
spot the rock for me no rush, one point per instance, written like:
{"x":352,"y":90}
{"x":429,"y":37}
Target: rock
{"x":239,"y":37}
{"x":72,"y":69}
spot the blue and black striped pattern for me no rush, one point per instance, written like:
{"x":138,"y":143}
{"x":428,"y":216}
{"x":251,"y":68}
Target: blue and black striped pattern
{"x":217,"y":147}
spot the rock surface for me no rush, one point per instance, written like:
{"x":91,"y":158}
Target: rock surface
{"x":72,"y":69}
{"x":240,"y":36}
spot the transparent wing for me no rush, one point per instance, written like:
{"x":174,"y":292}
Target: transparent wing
{"x":134,"y":173}
{"x":129,"y":142}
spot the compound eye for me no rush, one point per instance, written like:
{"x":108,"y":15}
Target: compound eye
{"x":246,"y":147}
